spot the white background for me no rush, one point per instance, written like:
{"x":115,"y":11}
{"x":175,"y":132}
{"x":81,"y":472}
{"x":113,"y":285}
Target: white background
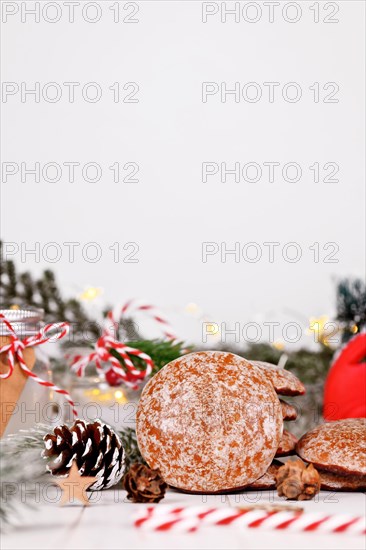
{"x":169,"y":133}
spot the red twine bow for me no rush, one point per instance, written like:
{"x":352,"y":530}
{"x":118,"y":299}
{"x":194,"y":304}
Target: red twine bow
{"x":102,"y":354}
{"x":14,"y":351}
{"x":102,"y":350}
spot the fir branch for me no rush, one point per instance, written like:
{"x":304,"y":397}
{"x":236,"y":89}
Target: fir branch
{"x":20,"y":464}
{"x":351,"y":306}
{"x":130,"y":445}
{"x":24,"y":290}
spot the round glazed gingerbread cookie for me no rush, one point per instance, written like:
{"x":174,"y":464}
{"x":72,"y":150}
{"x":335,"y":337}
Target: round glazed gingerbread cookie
{"x":338,"y":446}
{"x":210,"y":421}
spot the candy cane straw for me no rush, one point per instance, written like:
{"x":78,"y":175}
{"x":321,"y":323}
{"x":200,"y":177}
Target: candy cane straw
{"x":187,"y":519}
{"x":130,"y":307}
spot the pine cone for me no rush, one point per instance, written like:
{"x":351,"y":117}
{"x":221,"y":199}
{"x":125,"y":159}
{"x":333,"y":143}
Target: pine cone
{"x":143,"y":484}
{"x":297,"y":481}
{"x":96,"y":448}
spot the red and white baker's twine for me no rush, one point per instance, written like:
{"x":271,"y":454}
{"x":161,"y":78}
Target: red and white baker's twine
{"x":189,"y":519}
{"x":131,"y":307}
{"x":102,"y":355}
{"x":14,"y":351}
{"x":106,"y":361}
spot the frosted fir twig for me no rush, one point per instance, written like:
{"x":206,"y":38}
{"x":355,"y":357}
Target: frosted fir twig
{"x":20,"y":463}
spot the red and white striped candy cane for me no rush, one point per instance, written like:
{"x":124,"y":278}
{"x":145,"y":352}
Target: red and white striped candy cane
{"x":129,"y":308}
{"x":188,"y":519}
{"x":14,"y":351}
{"x":106,"y":361}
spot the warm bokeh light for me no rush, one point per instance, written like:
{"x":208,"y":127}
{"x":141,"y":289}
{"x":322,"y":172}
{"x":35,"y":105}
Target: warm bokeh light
{"x":279,"y":345}
{"x":105,"y":395}
{"x":322,"y":332}
{"x":194,"y":310}
{"x":212,"y":328}
{"x":90,"y":293}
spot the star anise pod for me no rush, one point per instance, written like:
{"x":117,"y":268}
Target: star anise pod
{"x":143,"y":484}
{"x":296,"y":481}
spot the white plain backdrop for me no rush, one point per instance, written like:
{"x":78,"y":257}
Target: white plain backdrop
{"x":169,"y":133}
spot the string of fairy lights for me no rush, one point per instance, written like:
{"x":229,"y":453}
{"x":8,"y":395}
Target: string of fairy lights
{"x":322,"y":329}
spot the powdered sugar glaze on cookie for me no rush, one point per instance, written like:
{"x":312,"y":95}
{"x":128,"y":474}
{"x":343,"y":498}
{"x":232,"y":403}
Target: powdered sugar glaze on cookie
{"x":210,"y":421}
{"x":342,"y":482}
{"x":284,"y":381}
{"x":338,"y":446}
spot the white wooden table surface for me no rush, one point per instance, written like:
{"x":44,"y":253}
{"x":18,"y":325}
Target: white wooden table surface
{"x":107,"y":524}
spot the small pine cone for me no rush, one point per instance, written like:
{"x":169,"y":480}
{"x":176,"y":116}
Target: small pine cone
{"x":95,"y":447}
{"x":143,"y":484}
{"x":297,"y":481}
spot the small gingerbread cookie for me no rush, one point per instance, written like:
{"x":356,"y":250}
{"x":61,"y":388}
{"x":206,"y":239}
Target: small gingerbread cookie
{"x":288,"y":411}
{"x":338,"y":447}
{"x":287,"y":444}
{"x":268,"y":480}
{"x":284,"y":381}
{"x":210,"y":422}
{"x":342,"y":482}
